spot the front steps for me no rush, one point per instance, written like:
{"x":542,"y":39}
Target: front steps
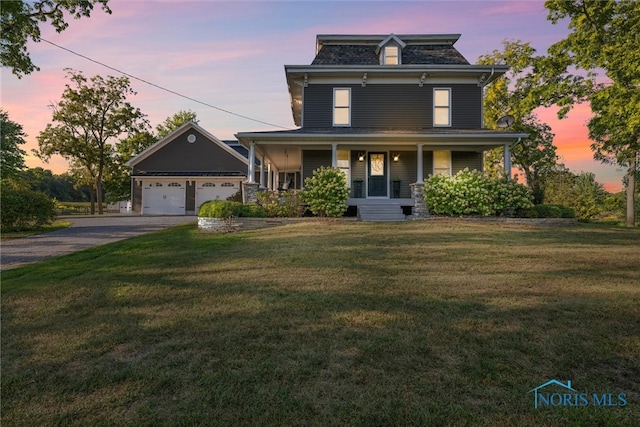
{"x":380,"y":212}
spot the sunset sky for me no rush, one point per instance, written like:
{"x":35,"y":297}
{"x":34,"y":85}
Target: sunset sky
{"x":231,"y":55}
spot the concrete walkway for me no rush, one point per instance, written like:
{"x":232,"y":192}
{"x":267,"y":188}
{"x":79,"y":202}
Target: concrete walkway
{"x":85,"y":232}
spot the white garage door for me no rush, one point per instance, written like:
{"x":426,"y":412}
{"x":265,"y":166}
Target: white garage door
{"x":163,"y":198}
{"x":215,"y":190}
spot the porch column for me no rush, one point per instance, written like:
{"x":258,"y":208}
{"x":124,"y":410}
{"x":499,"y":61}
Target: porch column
{"x":252,"y":162}
{"x":269,"y":180}
{"x":420,"y":210}
{"x":276,"y":178}
{"x":507,"y":161}
{"x":262,"y":172}
{"x":420,"y":175}
{"x":334,"y":155}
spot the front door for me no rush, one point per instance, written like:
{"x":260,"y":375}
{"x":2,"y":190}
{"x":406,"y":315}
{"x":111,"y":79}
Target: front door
{"x":377,"y":175}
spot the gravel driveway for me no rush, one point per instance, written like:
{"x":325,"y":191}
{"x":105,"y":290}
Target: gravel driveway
{"x":84,"y":233}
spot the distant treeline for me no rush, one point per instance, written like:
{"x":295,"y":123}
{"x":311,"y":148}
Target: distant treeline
{"x":61,"y":187}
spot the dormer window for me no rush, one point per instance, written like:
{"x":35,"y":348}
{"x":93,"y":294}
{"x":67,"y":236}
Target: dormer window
{"x":389,"y":50}
{"x":391,"y":55}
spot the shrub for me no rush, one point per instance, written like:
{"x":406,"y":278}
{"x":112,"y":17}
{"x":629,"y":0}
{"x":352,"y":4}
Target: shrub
{"x":527,"y":213}
{"x":326,"y":192}
{"x":580,"y":192}
{"x":23,"y":209}
{"x":548,"y":211}
{"x":566,"y":212}
{"x":472,"y":193}
{"x":252,"y":210}
{"x":236,"y":197}
{"x":284,"y":204}
{"x":229,"y":209}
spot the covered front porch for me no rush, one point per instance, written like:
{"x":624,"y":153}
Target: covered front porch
{"x":380,"y":166}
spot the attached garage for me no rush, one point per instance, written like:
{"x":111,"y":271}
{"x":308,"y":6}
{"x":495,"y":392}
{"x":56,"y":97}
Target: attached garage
{"x":183,"y":170}
{"x":163,"y":198}
{"x":215,"y":190}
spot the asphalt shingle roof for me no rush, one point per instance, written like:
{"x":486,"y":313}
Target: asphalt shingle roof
{"x":344,"y":54}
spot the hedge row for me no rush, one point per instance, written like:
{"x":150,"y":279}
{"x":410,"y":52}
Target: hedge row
{"x":229,"y":209}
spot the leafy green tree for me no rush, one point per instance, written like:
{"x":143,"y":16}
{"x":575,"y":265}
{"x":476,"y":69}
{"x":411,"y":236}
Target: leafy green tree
{"x":536,"y":155}
{"x":580,"y":192}
{"x":20,"y":22}
{"x":604,"y":35}
{"x":11,"y":155}
{"x":92,"y":114}
{"x":174,"y":122}
{"x":60,"y":187}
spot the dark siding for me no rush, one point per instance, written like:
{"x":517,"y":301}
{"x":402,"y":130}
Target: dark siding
{"x":312,"y":160}
{"x":466,"y":103}
{"x":203,"y":155}
{"x":405,"y":169}
{"x":317,"y":110}
{"x":392,"y":106}
{"x":427,"y":164}
{"x":465,"y":159}
{"x":190,"y":207}
{"x":358,"y":173}
{"x":358,"y":168}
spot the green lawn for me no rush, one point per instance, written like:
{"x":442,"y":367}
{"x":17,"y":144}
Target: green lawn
{"x":327,"y":323}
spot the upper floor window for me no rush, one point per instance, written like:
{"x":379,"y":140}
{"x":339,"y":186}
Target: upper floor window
{"x":442,"y":107}
{"x":391,"y":55}
{"x":342,"y":107}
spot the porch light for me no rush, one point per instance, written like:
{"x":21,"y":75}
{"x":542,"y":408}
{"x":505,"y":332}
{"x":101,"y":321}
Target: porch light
{"x":361,"y":156}
{"x":396,"y":157}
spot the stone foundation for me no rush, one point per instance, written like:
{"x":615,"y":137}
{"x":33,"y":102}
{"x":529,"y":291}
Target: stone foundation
{"x":419,"y":209}
{"x":221,"y":225}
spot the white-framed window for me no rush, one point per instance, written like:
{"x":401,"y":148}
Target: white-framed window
{"x":442,"y":162}
{"x":343,"y":160}
{"x":342,"y":107}
{"x":208,"y":184}
{"x":442,"y":107}
{"x":174,"y":184}
{"x":227,"y":184}
{"x":391,"y":55}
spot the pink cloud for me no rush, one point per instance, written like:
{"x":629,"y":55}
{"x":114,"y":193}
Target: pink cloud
{"x":510,"y":8}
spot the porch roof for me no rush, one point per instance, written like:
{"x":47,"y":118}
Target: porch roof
{"x":285,"y":147}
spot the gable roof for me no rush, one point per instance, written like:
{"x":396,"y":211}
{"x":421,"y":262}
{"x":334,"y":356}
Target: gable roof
{"x":176,"y":133}
{"x":390,"y":37}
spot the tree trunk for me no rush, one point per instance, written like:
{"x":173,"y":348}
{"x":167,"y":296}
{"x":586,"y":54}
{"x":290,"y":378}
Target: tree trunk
{"x":92,"y":197}
{"x":99,"y":194}
{"x":631,"y":192}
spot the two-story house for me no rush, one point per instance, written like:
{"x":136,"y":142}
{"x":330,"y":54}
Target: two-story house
{"x":389,"y":110}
